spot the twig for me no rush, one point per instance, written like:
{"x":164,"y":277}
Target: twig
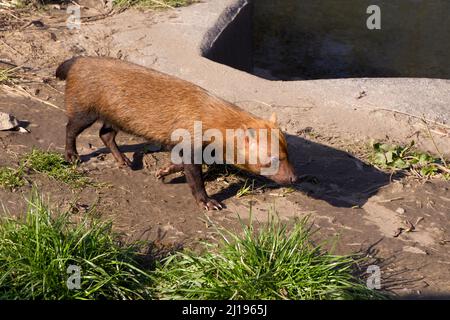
{"x":413,"y":116}
{"x":22,"y":92}
{"x":442,"y":168}
{"x":390,"y":200}
{"x":434,"y":142}
{"x":99,"y":16}
{"x":8,"y":63}
{"x":56,"y":90}
{"x":11,"y":48}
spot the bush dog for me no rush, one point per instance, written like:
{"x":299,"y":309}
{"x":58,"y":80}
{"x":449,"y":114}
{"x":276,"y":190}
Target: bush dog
{"x":151,"y":104}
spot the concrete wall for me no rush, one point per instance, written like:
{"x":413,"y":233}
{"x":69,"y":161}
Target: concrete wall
{"x":310,"y":39}
{"x":230,"y":41}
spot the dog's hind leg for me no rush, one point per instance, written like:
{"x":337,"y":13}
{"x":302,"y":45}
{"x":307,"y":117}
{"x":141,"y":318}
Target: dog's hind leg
{"x":108,"y":135}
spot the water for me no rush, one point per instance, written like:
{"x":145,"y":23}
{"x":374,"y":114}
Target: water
{"x":323,"y":39}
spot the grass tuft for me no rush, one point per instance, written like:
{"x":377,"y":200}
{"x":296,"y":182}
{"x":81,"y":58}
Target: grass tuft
{"x":11,"y":179}
{"x":53,"y":165}
{"x":272,"y":263}
{"x":36,"y":252}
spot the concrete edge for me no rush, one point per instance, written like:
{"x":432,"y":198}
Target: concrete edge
{"x":229,"y":14}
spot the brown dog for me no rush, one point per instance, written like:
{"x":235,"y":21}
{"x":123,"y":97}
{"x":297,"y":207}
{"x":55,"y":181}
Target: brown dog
{"x":150,"y":104}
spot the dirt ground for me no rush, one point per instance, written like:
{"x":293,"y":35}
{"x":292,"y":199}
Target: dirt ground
{"x":352,"y":202}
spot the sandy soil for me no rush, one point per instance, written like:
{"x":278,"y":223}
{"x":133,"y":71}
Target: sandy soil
{"x":358,"y":205}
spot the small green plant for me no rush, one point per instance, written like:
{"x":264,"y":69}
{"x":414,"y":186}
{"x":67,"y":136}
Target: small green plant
{"x":53,"y":165}
{"x":11,"y":179}
{"x":272,"y":263}
{"x":245,"y":190}
{"x":153,"y":3}
{"x":288,"y":190}
{"x":7,"y":76}
{"x":36,"y":252}
{"x":396,"y":157}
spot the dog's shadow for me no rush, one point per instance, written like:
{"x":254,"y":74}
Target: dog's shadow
{"x":342,"y":179}
{"x":138,"y":151}
{"x":338,"y":177}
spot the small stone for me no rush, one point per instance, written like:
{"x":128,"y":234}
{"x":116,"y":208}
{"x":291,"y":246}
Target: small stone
{"x":400,"y":210}
{"x":7,"y":121}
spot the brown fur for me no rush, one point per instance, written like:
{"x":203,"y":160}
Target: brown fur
{"x":149,"y":104}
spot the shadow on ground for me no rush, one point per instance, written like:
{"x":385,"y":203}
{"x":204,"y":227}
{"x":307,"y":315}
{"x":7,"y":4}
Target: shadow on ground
{"x":342,"y":179}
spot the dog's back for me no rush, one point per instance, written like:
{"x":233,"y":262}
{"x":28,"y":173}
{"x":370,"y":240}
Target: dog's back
{"x":143,"y":101}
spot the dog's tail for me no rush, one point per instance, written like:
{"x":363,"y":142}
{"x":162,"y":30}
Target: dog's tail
{"x":64,"y":68}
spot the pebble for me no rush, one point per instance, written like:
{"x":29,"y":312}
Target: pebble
{"x":400,"y":210}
